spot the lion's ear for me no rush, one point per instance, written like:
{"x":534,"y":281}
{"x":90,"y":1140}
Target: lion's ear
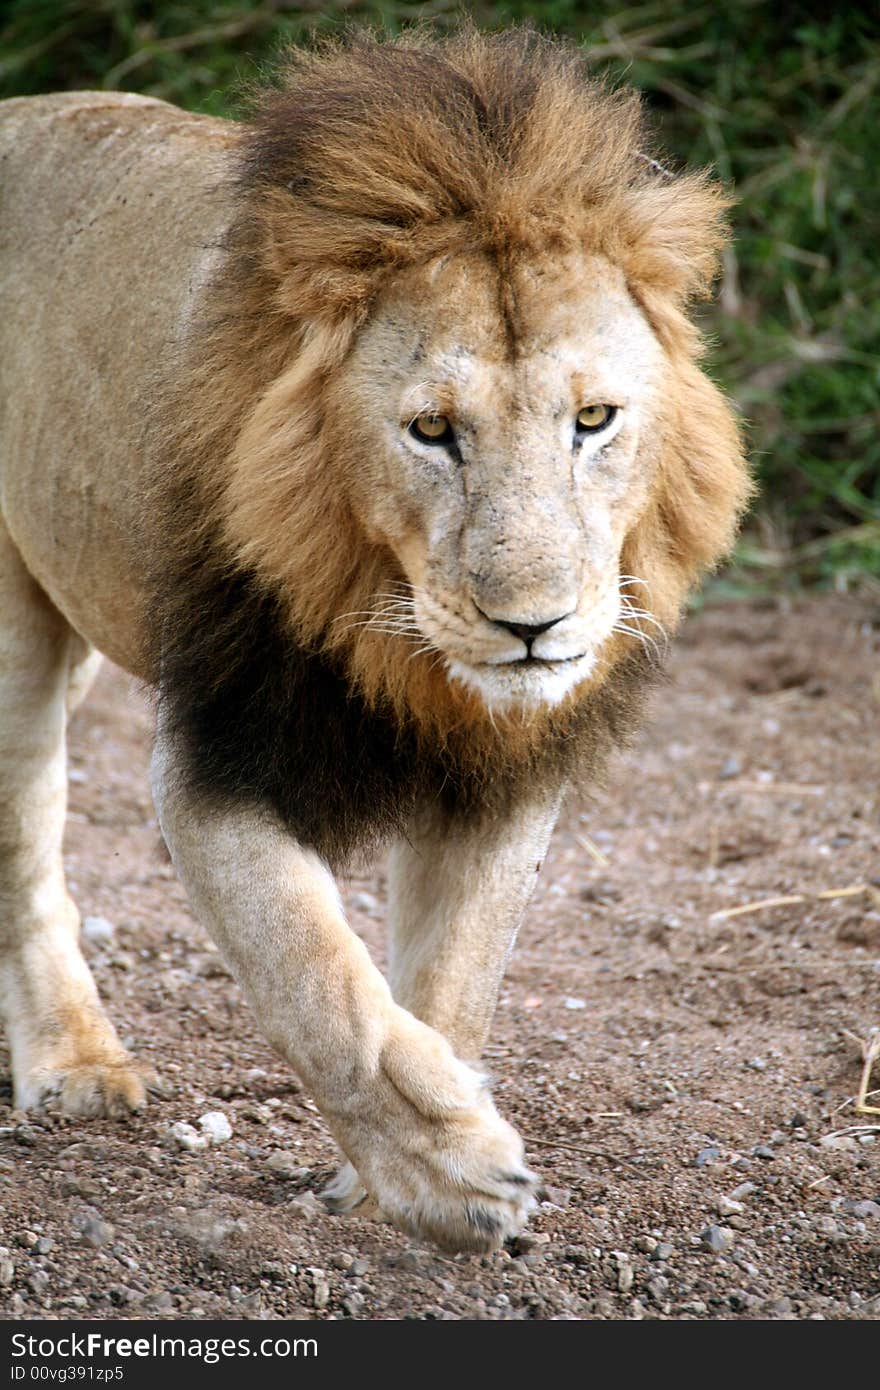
{"x":673,"y":230}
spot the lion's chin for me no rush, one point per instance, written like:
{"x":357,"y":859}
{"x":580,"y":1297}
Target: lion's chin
{"x":523,"y":685}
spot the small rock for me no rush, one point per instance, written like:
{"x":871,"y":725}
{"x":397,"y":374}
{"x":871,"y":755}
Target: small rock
{"x":727,"y":1206}
{"x":625,"y":1273}
{"x":160,"y":1301}
{"x":763,"y":1151}
{"x":826,"y":1226}
{"x":39,"y":1282}
{"x":215,"y":1127}
{"x":320,"y":1288}
{"x":778,"y":1308}
{"x":839,"y":1141}
{"x":354,"y":1304}
{"x":798,"y":1121}
{"x":662,"y":1251}
{"x":98,"y":931}
{"x":657,"y":1288}
{"x":122,"y":1295}
{"x":527,"y":1241}
{"x":863,"y":1210}
{"x":7,"y":1268}
{"x":307,"y":1204}
{"x":286,"y":1164}
{"x":28,"y":1239}
{"x":93,"y":1229}
{"x":188,"y":1138}
{"x":745,"y":1189}
{"x":358,"y":1268}
{"x":718,"y":1239}
{"x":707,"y":1155}
{"x":730,"y":768}
{"x":647,"y":1244}
{"x":571,"y":1003}
{"x":44,"y":1245}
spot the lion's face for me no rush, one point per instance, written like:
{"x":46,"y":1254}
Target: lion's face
{"x":502,"y":440}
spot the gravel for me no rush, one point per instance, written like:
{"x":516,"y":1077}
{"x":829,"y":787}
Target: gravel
{"x":651,"y":1074}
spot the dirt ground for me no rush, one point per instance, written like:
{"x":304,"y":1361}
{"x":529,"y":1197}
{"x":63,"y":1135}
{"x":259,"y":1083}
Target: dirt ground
{"x":682,"y":1078}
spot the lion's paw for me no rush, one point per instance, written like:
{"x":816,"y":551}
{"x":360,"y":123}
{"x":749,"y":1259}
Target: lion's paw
{"x":471,"y":1193}
{"x":89,"y":1089}
{"x":435,"y":1155}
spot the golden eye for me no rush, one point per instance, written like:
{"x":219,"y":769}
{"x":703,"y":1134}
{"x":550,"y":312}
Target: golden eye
{"x":432,"y":429}
{"x":595,"y":417}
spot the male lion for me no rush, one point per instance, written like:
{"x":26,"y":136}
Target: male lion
{"x":372,"y":434}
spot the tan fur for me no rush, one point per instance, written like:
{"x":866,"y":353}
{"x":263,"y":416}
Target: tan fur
{"x":212,"y":342}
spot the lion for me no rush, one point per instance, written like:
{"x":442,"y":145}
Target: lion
{"x":371,"y":434}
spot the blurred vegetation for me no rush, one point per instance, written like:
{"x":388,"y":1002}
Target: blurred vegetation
{"x":781,"y":96}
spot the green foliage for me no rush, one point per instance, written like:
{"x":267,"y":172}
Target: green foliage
{"x":781,"y":96}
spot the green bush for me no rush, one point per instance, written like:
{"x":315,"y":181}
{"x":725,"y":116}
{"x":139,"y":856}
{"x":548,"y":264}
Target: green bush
{"x":781,"y":97}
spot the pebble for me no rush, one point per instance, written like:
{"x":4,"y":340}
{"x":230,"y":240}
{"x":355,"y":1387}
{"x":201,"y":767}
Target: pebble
{"x":718,"y":1239}
{"x":320,"y":1288}
{"x":527,"y":1241}
{"x":863,"y":1210}
{"x":707,"y":1155}
{"x":625,"y":1272}
{"x":571,"y":1003}
{"x":98,"y":931}
{"x":215,"y":1127}
{"x":662,"y":1251}
{"x":160,"y":1301}
{"x":728,"y":1206}
{"x":7,"y":1268}
{"x":28,"y":1239}
{"x":763,"y":1151}
{"x":838,"y":1141}
{"x":307,"y":1204}
{"x":657,"y":1287}
{"x":286,"y":1164}
{"x":188,"y":1138}
{"x":826,"y":1226}
{"x":44,"y":1245}
{"x":779,"y":1308}
{"x":730,"y":768}
{"x":743,"y":1190}
{"x":354,"y":1304}
{"x":93,"y":1229}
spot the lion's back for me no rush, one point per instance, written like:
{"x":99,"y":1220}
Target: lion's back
{"x":110,"y":205}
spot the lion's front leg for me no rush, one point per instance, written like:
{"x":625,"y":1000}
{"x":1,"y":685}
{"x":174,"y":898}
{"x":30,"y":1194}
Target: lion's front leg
{"x":417,"y":1123}
{"x":457,"y":893}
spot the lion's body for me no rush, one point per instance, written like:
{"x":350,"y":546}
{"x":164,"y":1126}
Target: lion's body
{"x":109,"y":214}
{"x":218,"y":346}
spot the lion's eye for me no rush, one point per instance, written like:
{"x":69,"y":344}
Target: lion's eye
{"x":594,"y":418}
{"x":432,"y":429}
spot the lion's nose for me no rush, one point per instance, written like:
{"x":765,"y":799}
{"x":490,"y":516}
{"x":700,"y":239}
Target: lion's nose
{"x":527,"y":632}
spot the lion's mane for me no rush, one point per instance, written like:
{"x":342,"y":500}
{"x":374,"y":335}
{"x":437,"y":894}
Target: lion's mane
{"x":366,"y":157}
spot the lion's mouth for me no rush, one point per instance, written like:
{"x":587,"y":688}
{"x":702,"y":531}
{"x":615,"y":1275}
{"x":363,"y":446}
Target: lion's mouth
{"x":544,"y":662}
